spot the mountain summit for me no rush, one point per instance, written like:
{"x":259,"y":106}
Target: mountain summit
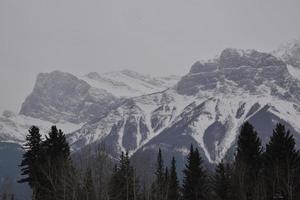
{"x":290,"y":52}
{"x":60,"y":96}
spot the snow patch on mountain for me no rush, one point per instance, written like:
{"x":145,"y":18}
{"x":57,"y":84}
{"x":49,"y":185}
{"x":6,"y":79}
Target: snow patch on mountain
{"x":14,"y":127}
{"x":127,"y":83}
{"x":289,"y":52}
{"x":294,"y":71}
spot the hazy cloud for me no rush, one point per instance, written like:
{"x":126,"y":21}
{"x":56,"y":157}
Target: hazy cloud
{"x":150,"y":36}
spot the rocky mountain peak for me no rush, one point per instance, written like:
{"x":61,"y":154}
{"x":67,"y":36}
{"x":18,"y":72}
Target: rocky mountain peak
{"x":93,"y":75}
{"x":60,"y":83}
{"x":235,"y":68}
{"x":290,"y":53}
{"x":199,"y":67}
{"x":231,"y":58}
{"x":62,"y":96}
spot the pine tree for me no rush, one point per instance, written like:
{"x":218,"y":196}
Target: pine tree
{"x":166,"y":175}
{"x":115,"y":182}
{"x":31,"y":160}
{"x":248,"y":163}
{"x":173,"y":184}
{"x":194,"y":182}
{"x":123,"y":184}
{"x":281,"y":165}
{"x":159,"y":187}
{"x":58,"y":174}
{"x":56,"y":145}
{"x":166,"y":183}
{"x":221,"y":182}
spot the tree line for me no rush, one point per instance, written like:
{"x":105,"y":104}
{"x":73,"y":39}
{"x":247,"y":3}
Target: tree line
{"x":256,"y":172}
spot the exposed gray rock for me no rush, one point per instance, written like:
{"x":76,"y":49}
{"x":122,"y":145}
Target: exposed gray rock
{"x":59,"y":96}
{"x":247,"y":69}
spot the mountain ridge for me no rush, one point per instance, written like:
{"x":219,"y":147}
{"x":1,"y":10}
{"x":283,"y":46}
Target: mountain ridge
{"x":206,"y":107}
{"x":229,"y":103}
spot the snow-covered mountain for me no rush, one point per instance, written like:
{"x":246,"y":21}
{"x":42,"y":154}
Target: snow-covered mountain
{"x":69,"y":102}
{"x":206,"y":108}
{"x":131,"y":112}
{"x":127,"y":83}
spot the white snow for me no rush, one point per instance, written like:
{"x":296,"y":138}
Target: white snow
{"x":127,"y":83}
{"x":15,"y":127}
{"x":294,"y":71}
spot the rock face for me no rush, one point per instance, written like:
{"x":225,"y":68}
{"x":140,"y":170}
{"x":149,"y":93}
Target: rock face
{"x":59,"y":96}
{"x":249,"y":70}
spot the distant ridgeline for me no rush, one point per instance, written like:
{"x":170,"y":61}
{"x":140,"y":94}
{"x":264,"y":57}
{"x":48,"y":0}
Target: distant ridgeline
{"x":106,"y":115}
{"x":256,"y":172}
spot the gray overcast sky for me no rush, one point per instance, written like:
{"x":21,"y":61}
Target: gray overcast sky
{"x":158,"y":37}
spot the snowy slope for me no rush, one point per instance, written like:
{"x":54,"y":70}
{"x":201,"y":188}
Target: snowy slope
{"x":14,"y":127}
{"x":147,"y":115}
{"x":289,"y":52}
{"x":154,"y":117}
{"x":128,"y":83}
{"x":294,"y":71}
{"x":207,"y":107}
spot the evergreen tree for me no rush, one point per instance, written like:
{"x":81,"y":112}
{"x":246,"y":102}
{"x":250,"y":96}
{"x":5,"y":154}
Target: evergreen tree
{"x":56,"y":145}
{"x":115,"y":182}
{"x":221,"y":182}
{"x":58,"y":174}
{"x":31,"y":160}
{"x":159,"y":186}
{"x":248,"y":163}
{"x":194,"y":182}
{"x":166,"y":183}
{"x":281,"y":165}
{"x":173,"y":184}
{"x":123,"y":184}
{"x":166,"y":176}
{"x":47,"y":166}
